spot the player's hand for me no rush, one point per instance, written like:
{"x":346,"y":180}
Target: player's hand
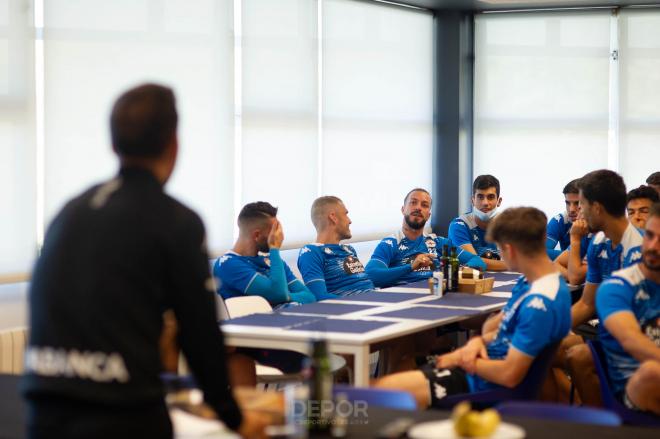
{"x":579,"y":229}
{"x":422,"y":260}
{"x":448,"y":360}
{"x":276,"y":235}
{"x":474,"y":349}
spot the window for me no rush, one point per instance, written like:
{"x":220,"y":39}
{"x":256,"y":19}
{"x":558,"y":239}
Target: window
{"x":541,"y":102}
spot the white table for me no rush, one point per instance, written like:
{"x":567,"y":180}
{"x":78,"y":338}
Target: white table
{"x":358,"y":345}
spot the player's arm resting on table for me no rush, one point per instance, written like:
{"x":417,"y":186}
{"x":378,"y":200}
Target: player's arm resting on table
{"x":378,"y":269}
{"x":614,"y":309}
{"x":470,"y":259}
{"x":192,"y":298}
{"x":310,"y":265}
{"x":491,"y":264}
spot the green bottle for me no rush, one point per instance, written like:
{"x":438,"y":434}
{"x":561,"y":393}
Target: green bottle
{"x":444,"y":261}
{"x":320,"y":407}
{"x":453,"y":263}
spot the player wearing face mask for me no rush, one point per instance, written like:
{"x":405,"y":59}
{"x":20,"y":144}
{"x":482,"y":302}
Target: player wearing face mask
{"x":469,"y":230}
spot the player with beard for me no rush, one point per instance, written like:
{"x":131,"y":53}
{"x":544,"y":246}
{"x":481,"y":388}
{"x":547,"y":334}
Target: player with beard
{"x":410,"y":254}
{"x":628,"y":306}
{"x":254,"y":267}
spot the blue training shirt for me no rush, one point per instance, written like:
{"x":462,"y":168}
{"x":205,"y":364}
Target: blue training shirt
{"x":236,"y":273}
{"x":391,"y":261}
{"x":558,"y":231}
{"x":331,"y":270}
{"x":627,"y":291}
{"x":603,"y":260}
{"x":464,"y":230}
{"x":535,"y":316}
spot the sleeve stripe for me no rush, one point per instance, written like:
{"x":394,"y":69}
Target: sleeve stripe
{"x":315,"y":280}
{"x":247,"y":287}
{"x":379,"y":260}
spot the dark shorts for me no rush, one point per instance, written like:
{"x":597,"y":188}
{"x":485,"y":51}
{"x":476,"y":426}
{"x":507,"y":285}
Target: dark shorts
{"x":445,"y":382}
{"x":63,"y":418}
{"x":587,"y":331}
{"x":287,"y":361}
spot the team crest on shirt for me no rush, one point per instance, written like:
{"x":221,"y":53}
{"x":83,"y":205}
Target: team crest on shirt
{"x":352,"y":265}
{"x":430,"y":245}
{"x":403,"y":247}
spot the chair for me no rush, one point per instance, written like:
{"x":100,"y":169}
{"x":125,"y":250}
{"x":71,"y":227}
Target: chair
{"x":527,"y":390}
{"x":391,"y":399}
{"x":12,"y":350}
{"x":609,"y":399}
{"x":559,"y":412}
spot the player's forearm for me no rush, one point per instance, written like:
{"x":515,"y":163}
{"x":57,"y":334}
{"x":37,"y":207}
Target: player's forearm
{"x":581,"y":312}
{"x":575,"y":270}
{"x":499,"y":372}
{"x":495,"y":265}
{"x":383,"y":276}
{"x":640,"y":347}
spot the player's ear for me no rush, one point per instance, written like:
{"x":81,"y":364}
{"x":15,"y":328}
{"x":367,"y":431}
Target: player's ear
{"x":499,"y":201}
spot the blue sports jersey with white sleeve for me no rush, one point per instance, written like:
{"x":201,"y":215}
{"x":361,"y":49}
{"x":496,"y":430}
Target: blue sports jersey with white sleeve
{"x":603,"y":260}
{"x":627,"y":291}
{"x":535,"y":316}
{"x":331,"y":270}
{"x":238,"y":275}
{"x":391,"y":261}
{"x":464,"y":230}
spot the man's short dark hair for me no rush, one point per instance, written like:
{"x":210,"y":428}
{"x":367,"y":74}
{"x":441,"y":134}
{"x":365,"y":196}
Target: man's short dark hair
{"x":143,"y":121}
{"x":643,"y":192}
{"x":484,"y":182}
{"x":522,"y":227}
{"x":654,"y":211}
{"x":607,"y":188}
{"x":654,"y":178}
{"x":258,"y":211}
{"x":417,"y":189}
{"x":572,"y":187}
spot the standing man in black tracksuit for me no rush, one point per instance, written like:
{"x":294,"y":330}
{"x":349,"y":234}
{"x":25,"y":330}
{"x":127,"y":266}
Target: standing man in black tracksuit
{"x":113,"y":260}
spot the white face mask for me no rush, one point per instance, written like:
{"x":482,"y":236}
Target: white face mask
{"x":484,"y":216}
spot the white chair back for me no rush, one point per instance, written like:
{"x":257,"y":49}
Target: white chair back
{"x":245,"y":305}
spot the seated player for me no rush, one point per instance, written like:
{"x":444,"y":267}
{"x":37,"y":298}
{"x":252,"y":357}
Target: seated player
{"x":616,"y":245}
{"x":254,"y":267}
{"x":654,"y":181}
{"x":628,"y":306}
{"x":537,"y":315}
{"x":469,"y":230}
{"x":559,"y":226}
{"x":572,"y":262}
{"x":410,"y":254}
{"x":639,"y":202}
{"x":331,"y":269}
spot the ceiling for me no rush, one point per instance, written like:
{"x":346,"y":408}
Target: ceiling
{"x":496,"y":5}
